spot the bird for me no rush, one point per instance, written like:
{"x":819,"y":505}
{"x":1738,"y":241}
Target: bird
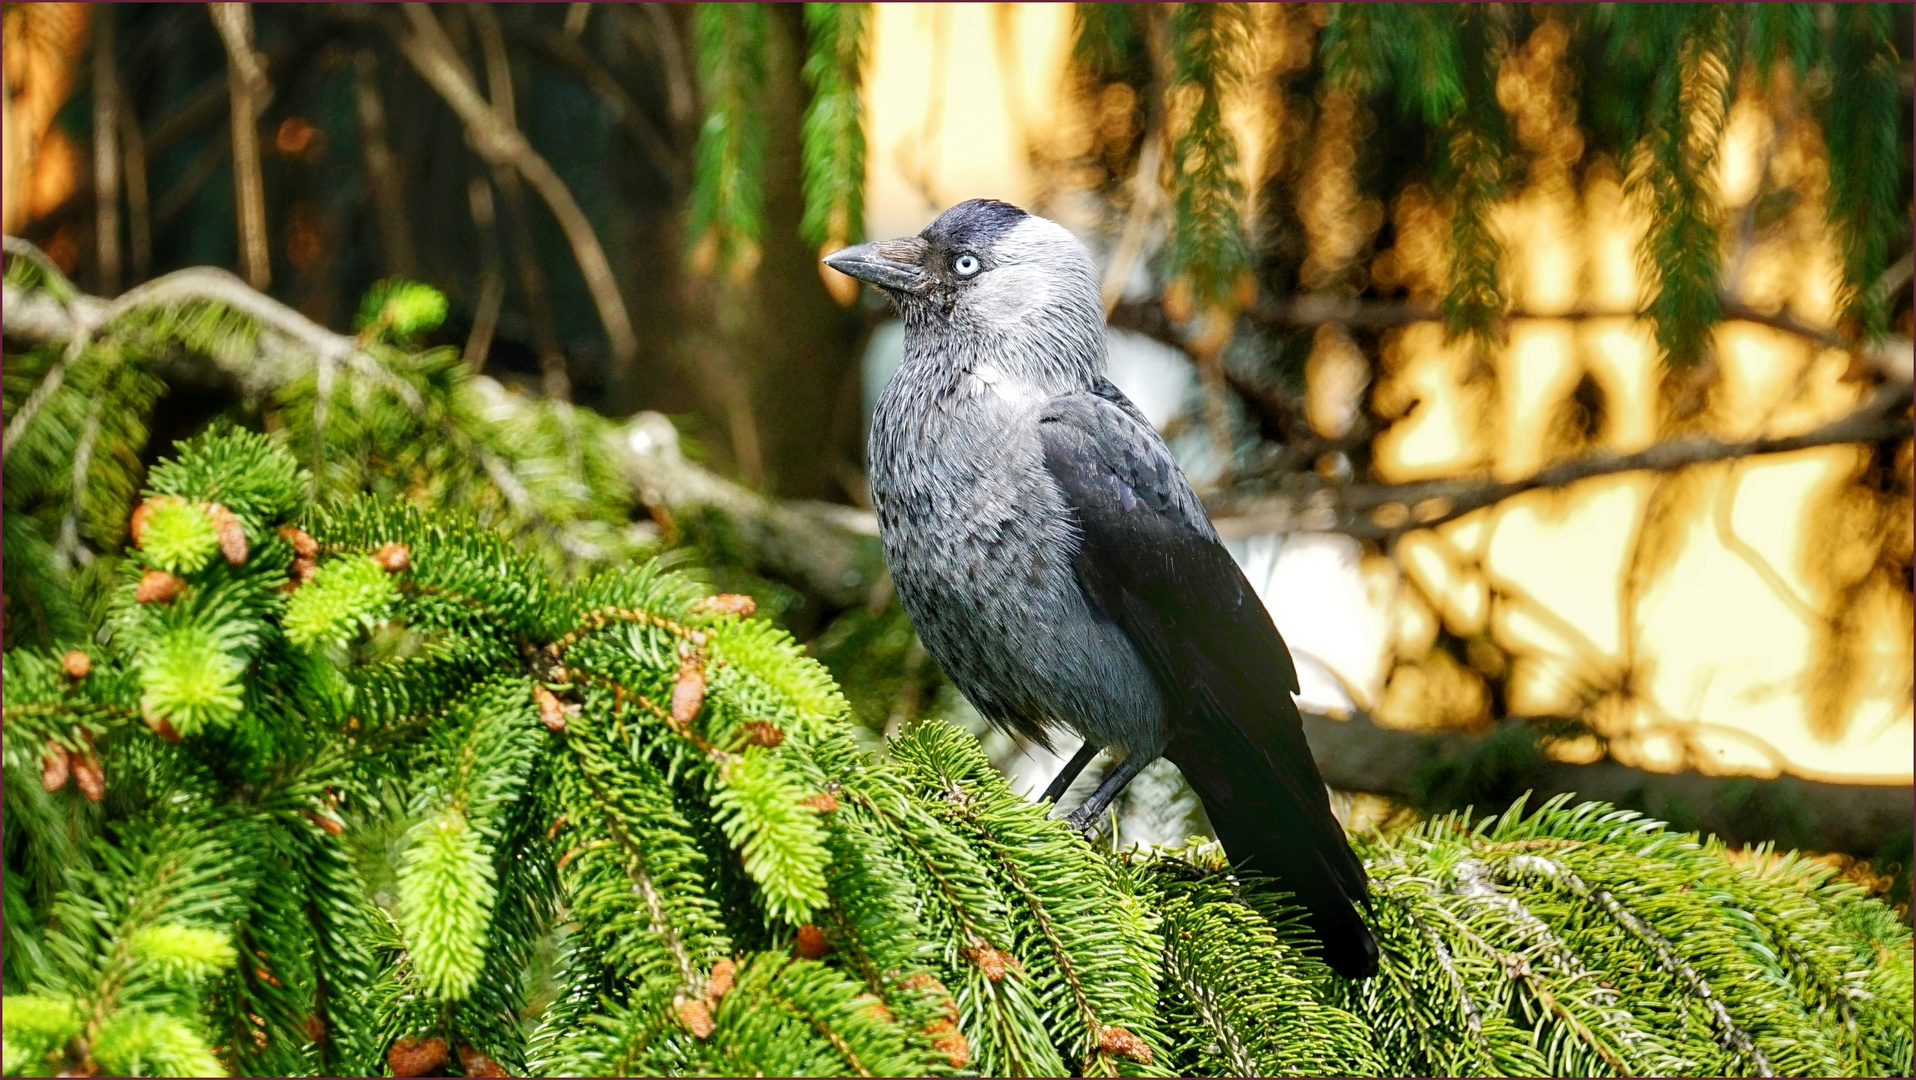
{"x":1058,"y":566}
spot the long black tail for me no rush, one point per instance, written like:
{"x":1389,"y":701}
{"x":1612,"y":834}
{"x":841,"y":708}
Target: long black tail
{"x":1269,"y":828}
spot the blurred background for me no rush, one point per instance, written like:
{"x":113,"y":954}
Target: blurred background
{"x":1546,"y":366}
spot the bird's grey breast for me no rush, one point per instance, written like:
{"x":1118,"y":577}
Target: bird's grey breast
{"x":981,"y":543}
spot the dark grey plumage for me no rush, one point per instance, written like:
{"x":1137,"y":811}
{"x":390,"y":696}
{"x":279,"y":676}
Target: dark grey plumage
{"x":1057,"y":564}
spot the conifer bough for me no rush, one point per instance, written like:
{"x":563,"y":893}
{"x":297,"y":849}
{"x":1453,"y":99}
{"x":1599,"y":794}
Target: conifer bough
{"x":741,"y":890}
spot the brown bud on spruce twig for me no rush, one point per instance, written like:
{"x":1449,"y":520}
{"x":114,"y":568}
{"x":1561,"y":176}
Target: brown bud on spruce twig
{"x":472,"y":1062}
{"x":304,"y":546}
{"x":76,"y":664}
{"x":991,"y":961}
{"x":393,"y":557}
{"x":232,"y":535}
{"x":810,"y":942}
{"x":551,"y":710}
{"x":158,"y":587}
{"x":54,"y":767}
{"x":720,"y":982}
{"x":949,"y":1041}
{"x":688,"y":691}
{"x":409,"y":1056}
{"x":1117,"y":1040}
{"x":162,"y":727}
{"x":727,"y":604}
{"x":695,"y":1015}
{"x":88,"y":774}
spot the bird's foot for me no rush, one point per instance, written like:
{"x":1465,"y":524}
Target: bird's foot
{"x":1082,"y":823}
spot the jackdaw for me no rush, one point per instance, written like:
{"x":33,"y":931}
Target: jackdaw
{"x":1057,"y":564}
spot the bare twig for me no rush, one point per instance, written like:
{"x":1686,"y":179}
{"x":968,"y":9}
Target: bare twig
{"x":205,"y":105}
{"x":492,"y":281}
{"x":532,"y":276}
{"x":106,"y":152}
{"x":425,"y":45}
{"x":575,"y":19}
{"x":1889,"y":358}
{"x":1383,"y":512}
{"x":1892,"y":280}
{"x":247,"y":90}
{"x":139,"y":209}
{"x":680,"y":99}
{"x":1722,"y":512}
{"x":1147,"y":186}
{"x":385,"y":174}
{"x":201,"y":169}
{"x":565,"y":52}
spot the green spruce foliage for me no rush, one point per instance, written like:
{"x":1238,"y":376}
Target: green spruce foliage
{"x":1206,"y":46}
{"x":318,"y":808}
{"x":728,"y":195}
{"x":834,"y":128}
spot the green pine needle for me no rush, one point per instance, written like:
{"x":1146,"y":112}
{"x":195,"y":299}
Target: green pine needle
{"x":833,"y":132}
{"x":728,"y":193}
{"x":348,"y":593}
{"x":190,"y":681}
{"x":445,"y":897}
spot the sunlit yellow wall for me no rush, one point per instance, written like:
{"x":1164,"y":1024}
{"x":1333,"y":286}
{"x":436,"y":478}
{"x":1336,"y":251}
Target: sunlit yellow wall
{"x":1709,"y":652}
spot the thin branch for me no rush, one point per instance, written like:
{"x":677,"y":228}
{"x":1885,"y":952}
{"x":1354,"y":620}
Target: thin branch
{"x":532,"y":277}
{"x":205,"y":105}
{"x":426,"y":47}
{"x":1384,"y":512}
{"x":385,"y":173}
{"x":197,"y":173}
{"x":1890,"y":358}
{"x":575,"y":19}
{"x":1726,"y":534}
{"x":563,"y":51}
{"x":492,"y":280}
{"x":139,"y":208}
{"x":681,"y":101}
{"x":106,"y":152}
{"x":247,"y":91}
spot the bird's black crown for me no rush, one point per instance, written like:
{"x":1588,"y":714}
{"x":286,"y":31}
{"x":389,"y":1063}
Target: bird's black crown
{"x":973,"y":224}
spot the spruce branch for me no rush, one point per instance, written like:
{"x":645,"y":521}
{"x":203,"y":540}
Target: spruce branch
{"x":834,"y":126}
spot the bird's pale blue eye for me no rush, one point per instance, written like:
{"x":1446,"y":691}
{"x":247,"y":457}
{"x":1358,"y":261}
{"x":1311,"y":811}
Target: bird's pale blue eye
{"x":966,"y":265}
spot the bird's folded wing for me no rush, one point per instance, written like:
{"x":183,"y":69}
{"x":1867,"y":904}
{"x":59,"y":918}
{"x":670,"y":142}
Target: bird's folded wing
{"x":1151,"y":562}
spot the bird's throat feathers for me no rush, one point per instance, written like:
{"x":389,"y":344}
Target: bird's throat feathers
{"x":1029,"y":328}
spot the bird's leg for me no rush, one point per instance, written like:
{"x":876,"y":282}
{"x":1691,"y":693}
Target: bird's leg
{"x":1114,"y":782}
{"x":1062,"y":782}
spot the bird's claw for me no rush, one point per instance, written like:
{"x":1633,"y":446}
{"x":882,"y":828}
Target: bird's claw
{"x":1082,"y":825}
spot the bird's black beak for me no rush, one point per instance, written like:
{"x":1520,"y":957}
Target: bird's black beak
{"x":892,"y":265}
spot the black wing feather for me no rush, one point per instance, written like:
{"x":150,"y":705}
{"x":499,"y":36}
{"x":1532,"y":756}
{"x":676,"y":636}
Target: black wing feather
{"x":1150,"y":561}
